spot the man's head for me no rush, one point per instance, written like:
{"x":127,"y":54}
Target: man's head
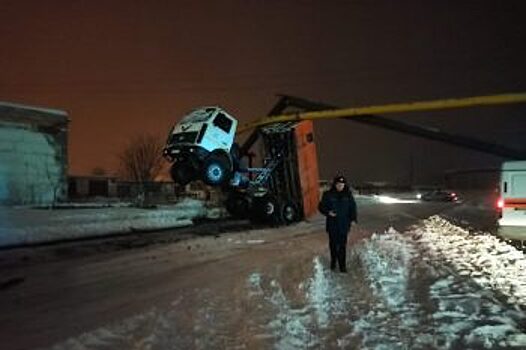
{"x":339,"y":183}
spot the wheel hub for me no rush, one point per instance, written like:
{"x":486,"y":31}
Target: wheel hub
{"x":270,"y":208}
{"x":215,"y":173}
{"x":289,"y":213}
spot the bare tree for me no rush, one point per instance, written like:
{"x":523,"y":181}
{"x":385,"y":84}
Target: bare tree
{"x":141,"y":160}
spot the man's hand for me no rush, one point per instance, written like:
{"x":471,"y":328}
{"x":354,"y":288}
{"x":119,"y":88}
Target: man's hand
{"x":332,"y":213}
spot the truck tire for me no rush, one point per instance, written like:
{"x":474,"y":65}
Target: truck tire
{"x":288,"y":213}
{"x":216,"y":170}
{"x":182,"y":172}
{"x":238,"y":205}
{"x":264,"y":210}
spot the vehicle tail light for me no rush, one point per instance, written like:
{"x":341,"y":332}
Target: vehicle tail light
{"x":500,"y":203}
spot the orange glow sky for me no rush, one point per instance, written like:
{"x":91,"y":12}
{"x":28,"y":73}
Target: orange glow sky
{"x":124,"y":67}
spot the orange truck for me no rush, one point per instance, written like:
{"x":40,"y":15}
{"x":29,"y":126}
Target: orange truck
{"x":290,"y":192}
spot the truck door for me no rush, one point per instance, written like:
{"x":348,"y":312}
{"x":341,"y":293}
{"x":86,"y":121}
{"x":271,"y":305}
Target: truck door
{"x":221,"y":131}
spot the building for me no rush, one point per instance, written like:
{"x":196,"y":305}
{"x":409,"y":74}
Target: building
{"x":33,"y":154}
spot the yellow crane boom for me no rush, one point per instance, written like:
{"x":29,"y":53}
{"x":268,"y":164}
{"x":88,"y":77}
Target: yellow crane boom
{"x":419,"y":106}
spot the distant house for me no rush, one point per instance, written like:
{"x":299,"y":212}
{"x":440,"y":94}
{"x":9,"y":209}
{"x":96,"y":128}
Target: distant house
{"x":33,"y":154}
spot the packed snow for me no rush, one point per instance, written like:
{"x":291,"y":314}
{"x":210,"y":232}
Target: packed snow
{"x":27,"y":225}
{"x":436,"y":286}
{"x":489,"y":261}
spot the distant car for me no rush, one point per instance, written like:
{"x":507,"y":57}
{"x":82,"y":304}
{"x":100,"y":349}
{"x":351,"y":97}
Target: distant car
{"x":439,"y":196}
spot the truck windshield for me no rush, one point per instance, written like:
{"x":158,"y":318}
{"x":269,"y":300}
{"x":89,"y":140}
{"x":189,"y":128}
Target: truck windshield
{"x":184,"y":137}
{"x":198,"y":116}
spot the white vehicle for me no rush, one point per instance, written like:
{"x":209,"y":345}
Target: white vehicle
{"x":512,"y":201}
{"x":201,"y":146}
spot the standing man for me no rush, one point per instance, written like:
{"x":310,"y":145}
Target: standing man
{"x":338,"y":205}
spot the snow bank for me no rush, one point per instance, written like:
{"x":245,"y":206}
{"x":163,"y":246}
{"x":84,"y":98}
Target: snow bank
{"x":82,"y":205}
{"x":387,"y":260}
{"x":490,"y":262}
{"x":395,"y":318}
{"x":26,"y":226}
{"x":426,"y":300}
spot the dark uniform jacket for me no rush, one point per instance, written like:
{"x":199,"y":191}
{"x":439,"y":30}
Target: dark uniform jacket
{"x":343,"y":204}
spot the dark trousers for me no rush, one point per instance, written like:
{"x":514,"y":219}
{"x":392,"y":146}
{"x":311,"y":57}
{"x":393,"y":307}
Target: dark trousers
{"x":338,"y":248}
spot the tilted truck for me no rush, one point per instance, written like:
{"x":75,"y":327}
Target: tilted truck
{"x":202,"y":147}
{"x":284,"y":189}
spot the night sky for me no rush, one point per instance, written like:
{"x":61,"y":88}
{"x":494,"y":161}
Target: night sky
{"x":123,"y":67}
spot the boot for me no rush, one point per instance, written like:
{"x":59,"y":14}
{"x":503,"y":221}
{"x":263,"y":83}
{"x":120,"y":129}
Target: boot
{"x":342,"y":259}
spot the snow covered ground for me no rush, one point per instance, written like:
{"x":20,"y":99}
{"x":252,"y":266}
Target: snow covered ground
{"x":489,"y":261}
{"x":429,"y":279}
{"x":435,"y":286}
{"x":28,"y":225}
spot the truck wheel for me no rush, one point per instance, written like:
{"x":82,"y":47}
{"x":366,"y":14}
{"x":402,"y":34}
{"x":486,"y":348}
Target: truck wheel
{"x":289,"y":213}
{"x":237,"y":205}
{"x":216,"y":170}
{"x":264,"y":209}
{"x":182,"y":172}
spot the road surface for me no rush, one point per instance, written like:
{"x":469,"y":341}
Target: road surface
{"x":254,"y":289}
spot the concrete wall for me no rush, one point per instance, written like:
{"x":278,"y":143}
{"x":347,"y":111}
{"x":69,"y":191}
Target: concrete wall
{"x":33,"y":164}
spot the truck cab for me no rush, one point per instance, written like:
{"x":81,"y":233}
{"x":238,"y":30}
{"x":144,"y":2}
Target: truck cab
{"x":200,"y":146}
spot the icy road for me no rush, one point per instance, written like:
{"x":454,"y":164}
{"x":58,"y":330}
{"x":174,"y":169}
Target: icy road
{"x":417,"y":280}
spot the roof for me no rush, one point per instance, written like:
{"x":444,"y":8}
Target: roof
{"x":15,"y":112}
{"x":514,"y":165}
